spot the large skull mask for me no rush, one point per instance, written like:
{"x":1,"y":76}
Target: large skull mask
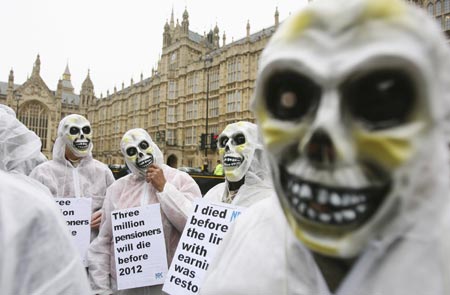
{"x":343,"y":104}
{"x":139,"y":150}
{"x":77,"y":134}
{"x":237,"y":144}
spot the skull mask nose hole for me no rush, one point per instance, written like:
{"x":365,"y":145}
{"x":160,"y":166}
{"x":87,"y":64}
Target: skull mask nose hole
{"x":140,"y":154}
{"x":320,"y":149}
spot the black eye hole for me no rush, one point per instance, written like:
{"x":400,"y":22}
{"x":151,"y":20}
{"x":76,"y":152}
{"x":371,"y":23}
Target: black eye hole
{"x":381,"y":99}
{"x":74,"y":130}
{"x":290,"y":96}
{"x":144,"y":145}
{"x":223,"y":141}
{"x":239,"y":139}
{"x":131,"y":151}
{"x":86,"y":129}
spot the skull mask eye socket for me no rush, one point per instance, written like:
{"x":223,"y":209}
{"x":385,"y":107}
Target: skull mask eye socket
{"x":86,"y":129}
{"x":381,"y":99}
{"x":131,"y":151}
{"x":290,"y":96}
{"x":74,"y":130}
{"x":223,"y":141}
{"x":239,"y":139}
{"x":144,"y":145}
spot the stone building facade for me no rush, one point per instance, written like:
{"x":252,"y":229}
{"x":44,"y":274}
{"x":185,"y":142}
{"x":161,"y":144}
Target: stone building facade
{"x":40,"y":108}
{"x":201,"y":84}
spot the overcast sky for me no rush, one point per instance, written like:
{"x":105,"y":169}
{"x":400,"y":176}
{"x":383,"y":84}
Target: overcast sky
{"x":116,"y":39}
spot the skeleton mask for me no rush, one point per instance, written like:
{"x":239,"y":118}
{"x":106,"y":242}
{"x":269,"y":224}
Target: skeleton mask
{"x":139,"y":150}
{"x":237,"y":145}
{"x":343,"y":102}
{"x":77,"y":134}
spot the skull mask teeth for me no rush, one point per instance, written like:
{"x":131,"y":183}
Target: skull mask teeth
{"x":137,"y":150}
{"x":78,"y":135}
{"x":237,"y":146}
{"x":339,"y":129}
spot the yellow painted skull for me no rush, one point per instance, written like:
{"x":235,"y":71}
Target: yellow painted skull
{"x":343,"y":103}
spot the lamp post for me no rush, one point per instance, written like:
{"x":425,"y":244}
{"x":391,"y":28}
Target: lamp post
{"x":17,"y":97}
{"x":208,"y":61}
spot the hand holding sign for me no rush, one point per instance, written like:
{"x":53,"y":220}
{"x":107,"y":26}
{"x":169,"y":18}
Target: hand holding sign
{"x":204,"y":231}
{"x":155,"y":176}
{"x":96,"y":219}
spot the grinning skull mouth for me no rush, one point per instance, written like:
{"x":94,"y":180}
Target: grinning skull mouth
{"x":81,"y":144}
{"x":144,"y":163}
{"x":230,"y":161}
{"x":315,"y":204}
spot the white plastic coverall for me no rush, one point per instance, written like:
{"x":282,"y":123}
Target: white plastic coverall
{"x":257,"y":184}
{"x":20,"y":148}
{"x":90,"y":178}
{"x":176,"y":205}
{"x":36,"y":253}
{"x":410,"y":254}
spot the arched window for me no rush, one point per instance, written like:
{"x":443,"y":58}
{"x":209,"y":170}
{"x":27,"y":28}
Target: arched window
{"x":447,"y":23}
{"x":430,"y":8}
{"x":446,"y":5}
{"x":35,"y":116}
{"x":438,"y":8}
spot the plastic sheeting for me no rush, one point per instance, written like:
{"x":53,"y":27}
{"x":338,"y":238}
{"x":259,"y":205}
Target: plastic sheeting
{"x":36,"y":252}
{"x":127,"y":192}
{"x":20,"y":148}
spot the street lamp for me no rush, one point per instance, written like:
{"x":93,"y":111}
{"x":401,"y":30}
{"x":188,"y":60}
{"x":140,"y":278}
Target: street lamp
{"x":208,"y":61}
{"x":17,"y":97}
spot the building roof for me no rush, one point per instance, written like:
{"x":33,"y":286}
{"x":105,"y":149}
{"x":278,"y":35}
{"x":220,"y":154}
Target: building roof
{"x":67,"y":84}
{"x":193,"y":36}
{"x":264,"y":33}
{"x":70,"y":98}
{"x":4,"y":87}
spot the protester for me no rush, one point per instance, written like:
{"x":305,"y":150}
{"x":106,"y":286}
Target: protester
{"x":37,"y":255}
{"x":151,"y":182}
{"x":20,"y":148}
{"x":218,"y":171}
{"x":247,"y":178}
{"x":352,"y":100}
{"x":73,"y":172}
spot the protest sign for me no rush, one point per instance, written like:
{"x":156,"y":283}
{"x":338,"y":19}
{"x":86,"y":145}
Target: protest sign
{"x":203,"y":233}
{"x":139,"y":247}
{"x":77,"y":214}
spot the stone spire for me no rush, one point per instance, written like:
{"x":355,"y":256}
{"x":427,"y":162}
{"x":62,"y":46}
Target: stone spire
{"x":66,"y":75}
{"x":248,"y":29}
{"x":277,"y":17}
{"x":166,"y":35}
{"x":87,"y":91}
{"x":185,"y":22}
{"x":216,"y":36}
{"x":172,"y":22}
{"x":11,"y":79}
{"x":87,"y":83}
{"x":37,"y":66}
{"x":66,"y":81}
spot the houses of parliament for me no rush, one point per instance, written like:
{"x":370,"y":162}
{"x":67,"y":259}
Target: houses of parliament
{"x":201,"y":84}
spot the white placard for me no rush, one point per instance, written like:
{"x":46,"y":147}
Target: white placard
{"x":203,"y":233}
{"x":139,"y":247}
{"x":77,"y":214}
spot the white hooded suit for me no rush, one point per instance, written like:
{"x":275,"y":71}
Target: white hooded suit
{"x":20,"y":147}
{"x":127,"y":192}
{"x":36,"y":252}
{"x":90,"y":178}
{"x":257,"y":183}
{"x":403,"y":248}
